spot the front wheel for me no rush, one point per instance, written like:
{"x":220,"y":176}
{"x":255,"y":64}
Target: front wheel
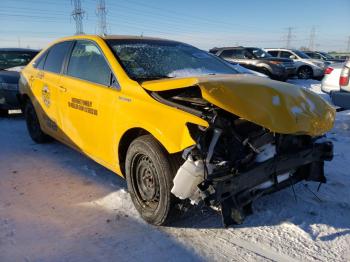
{"x":33,"y":124}
{"x":305,"y":72}
{"x":149,"y":174}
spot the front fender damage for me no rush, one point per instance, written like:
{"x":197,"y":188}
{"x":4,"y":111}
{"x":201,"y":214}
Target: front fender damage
{"x":262,"y":136}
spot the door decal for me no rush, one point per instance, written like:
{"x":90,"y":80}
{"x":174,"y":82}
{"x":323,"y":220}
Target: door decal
{"x":82,"y":105}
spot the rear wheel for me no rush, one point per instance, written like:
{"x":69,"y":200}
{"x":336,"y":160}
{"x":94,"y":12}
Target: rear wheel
{"x":305,"y":72}
{"x":149,"y":174}
{"x":33,"y":124}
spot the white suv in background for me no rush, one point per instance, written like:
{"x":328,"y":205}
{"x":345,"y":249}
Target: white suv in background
{"x":306,"y":66}
{"x":341,"y":98}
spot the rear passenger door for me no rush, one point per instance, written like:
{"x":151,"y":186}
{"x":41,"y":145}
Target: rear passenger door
{"x":45,"y":85}
{"x":88,"y":101}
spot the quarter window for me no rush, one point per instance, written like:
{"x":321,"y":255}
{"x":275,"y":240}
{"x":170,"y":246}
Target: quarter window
{"x":55,"y":57}
{"x":39,"y":63}
{"x":88,"y":63}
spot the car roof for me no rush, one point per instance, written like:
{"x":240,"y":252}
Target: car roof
{"x":133,"y":37}
{"x":11,"y":49}
{"x":115,"y":37}
{"x":227,"y":48}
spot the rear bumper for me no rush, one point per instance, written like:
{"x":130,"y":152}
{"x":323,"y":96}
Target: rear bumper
{"x":341,"y":99}
{"x":235,"y":192}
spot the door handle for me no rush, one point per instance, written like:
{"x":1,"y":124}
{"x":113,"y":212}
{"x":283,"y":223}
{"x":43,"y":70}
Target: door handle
{"x":63,"y":89}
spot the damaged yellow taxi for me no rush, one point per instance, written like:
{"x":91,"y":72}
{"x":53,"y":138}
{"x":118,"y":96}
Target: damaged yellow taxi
{"x":180,"y":124}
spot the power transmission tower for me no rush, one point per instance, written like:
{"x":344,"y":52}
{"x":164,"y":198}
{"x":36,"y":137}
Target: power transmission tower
{"x":78,"y":15}
{"x":348,"y":48}
{"x":101,"y":14}
{"x":312,"y":38}
{"x":289,"y":37}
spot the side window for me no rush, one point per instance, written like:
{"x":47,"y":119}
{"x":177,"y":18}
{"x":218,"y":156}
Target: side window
{"x":39,"y":63}
{"x":226,"y":54}
{"x":239,"y":53}
{"x":88,"y":63}
{"x":273,"y":53}
{"x":285,"y":54}
{"x":55,"y":57}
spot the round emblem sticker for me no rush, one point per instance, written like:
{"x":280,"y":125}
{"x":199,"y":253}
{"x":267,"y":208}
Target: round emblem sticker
{"x":46,"y":96}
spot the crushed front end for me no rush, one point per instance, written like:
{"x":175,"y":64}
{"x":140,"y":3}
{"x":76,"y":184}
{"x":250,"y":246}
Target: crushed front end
{"x":262,"y":136}
{"x":236,"y":161}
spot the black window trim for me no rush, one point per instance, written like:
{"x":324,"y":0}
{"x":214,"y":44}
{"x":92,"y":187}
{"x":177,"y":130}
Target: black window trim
{"x":43,"y":56}
{"x":67,"y":59}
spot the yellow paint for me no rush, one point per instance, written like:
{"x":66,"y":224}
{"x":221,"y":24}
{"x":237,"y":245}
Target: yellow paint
{"x":119,"y":110}
{"x":280,"y":107}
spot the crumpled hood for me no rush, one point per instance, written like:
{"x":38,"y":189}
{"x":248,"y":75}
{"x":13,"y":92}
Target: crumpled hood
{"x":280,"y":107}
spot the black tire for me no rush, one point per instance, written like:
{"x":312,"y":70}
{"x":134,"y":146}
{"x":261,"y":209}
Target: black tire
{"x":3,"y":113}
{"x":266,"y":72}
{"x":149,"y":174}
{"x":33,"y":125}
{"x":305,"y":72}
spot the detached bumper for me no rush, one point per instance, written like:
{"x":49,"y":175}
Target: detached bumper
{"x":235,"y":192}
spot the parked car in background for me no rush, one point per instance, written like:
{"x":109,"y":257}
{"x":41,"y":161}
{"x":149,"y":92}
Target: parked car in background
{"x":341,"y":98}
{"x":176,"y":122}
{"x":323,"y":56}
{"x":258,"y":60}
{"x":306,"y":67}
{"x":330,"y":81}
{"x":11,"y":62}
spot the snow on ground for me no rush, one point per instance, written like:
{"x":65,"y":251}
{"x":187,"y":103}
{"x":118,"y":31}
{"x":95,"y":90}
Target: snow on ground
{"x":57,"y":205}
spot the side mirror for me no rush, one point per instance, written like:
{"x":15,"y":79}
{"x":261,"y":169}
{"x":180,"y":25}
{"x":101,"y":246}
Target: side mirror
{"x":293,"y":57}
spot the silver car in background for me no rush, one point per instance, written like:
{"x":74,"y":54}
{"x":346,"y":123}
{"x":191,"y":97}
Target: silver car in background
{"x":306,"y":67}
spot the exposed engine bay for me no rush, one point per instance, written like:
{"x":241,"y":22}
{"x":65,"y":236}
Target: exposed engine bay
{"x":235,"y":161}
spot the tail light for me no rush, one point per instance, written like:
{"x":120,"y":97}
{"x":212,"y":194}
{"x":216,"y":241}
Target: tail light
{"x":344,"y":76}
{"x":328,"y":70}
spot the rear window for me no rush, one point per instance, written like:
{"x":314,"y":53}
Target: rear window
{"x":55,"y":57}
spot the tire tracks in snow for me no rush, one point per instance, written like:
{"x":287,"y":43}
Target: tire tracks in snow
{"x":258,"y":249}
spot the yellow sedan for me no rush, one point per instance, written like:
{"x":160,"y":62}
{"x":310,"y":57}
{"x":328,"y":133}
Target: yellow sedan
{"x":177,"y":122}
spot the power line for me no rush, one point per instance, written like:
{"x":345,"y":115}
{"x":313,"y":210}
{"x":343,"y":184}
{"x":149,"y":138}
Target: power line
{"x":101,"y":15}
{"x":78,"y":15}
{"x":312,"y":39}
{"x":289,"y":37}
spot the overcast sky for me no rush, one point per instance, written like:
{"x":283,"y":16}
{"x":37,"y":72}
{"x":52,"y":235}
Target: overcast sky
{"x":205,"y":24}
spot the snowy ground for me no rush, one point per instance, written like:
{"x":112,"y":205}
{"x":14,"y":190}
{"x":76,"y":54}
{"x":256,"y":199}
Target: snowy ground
{"x":57,"y":205}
